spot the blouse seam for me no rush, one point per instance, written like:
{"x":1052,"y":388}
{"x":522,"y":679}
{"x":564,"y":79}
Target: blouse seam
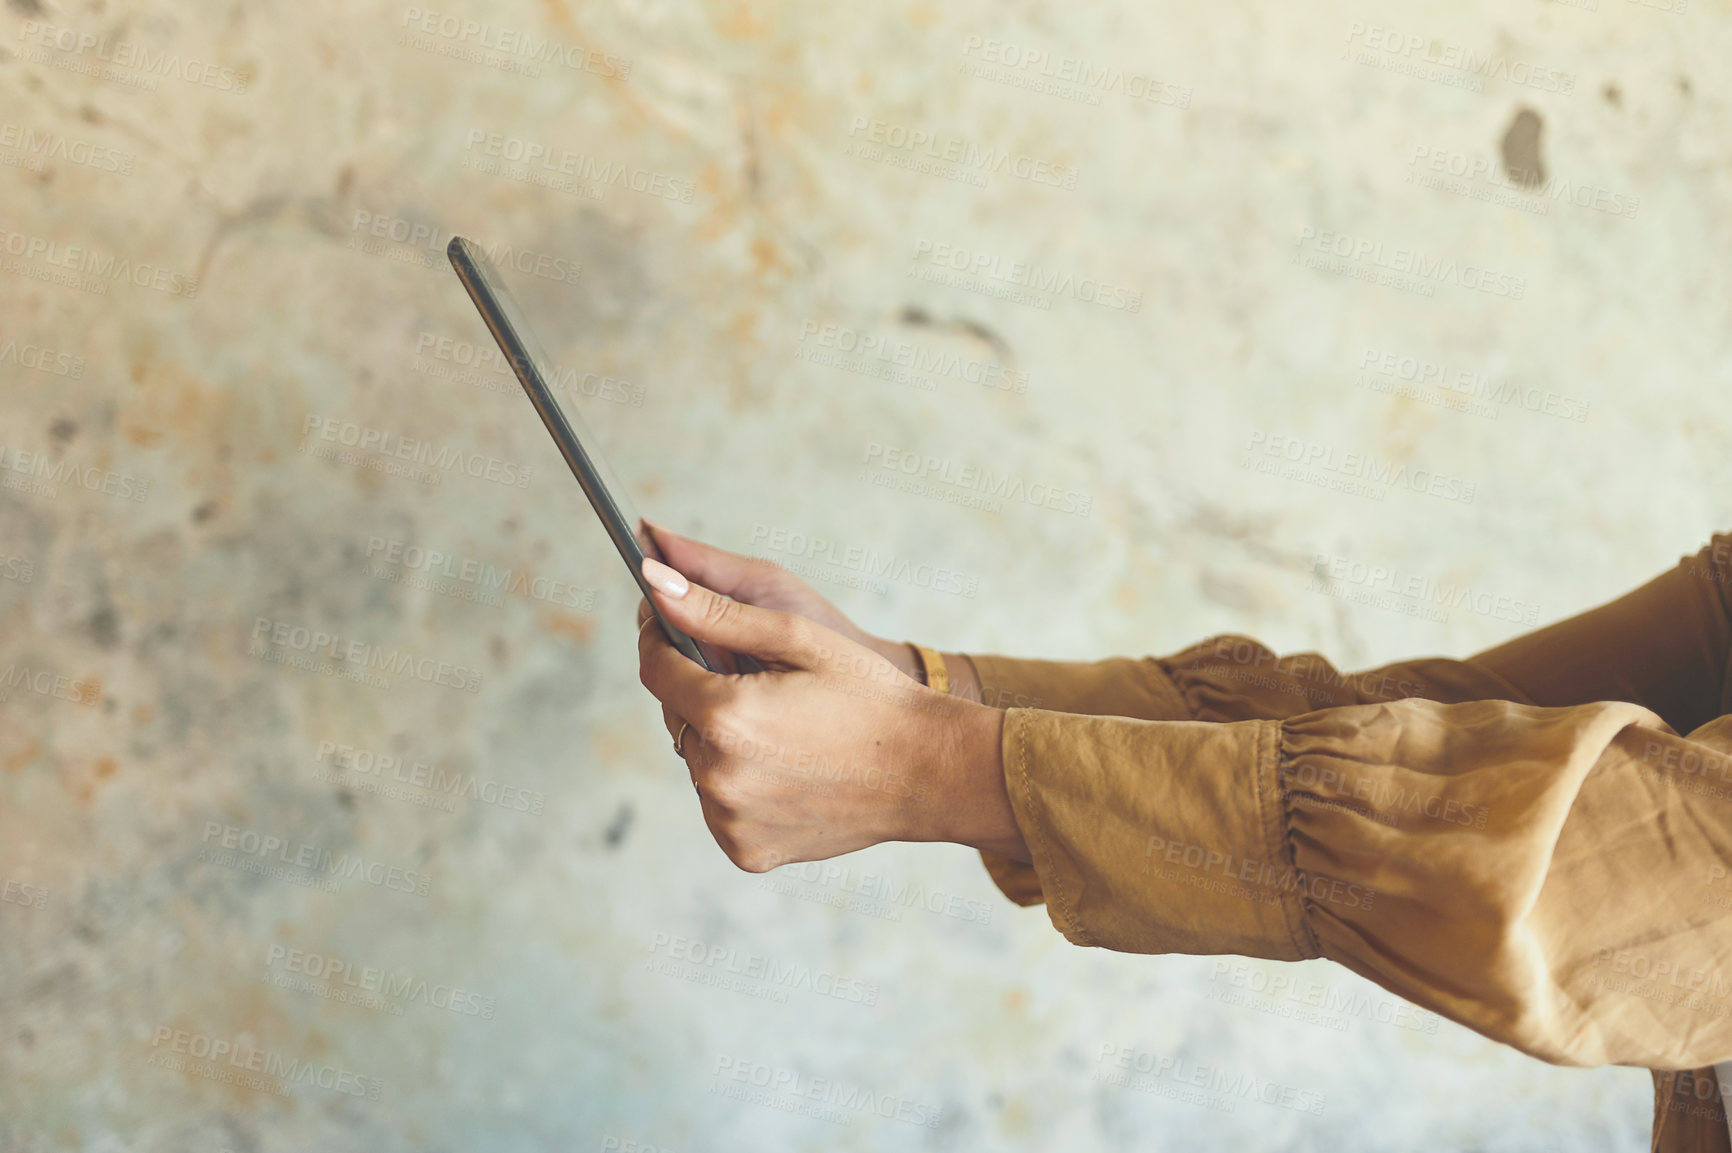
{"x":1167,"y":687}
{"x":1070,"y":927}
{"x":1277,"y":831}
{"x":1181,"y":689}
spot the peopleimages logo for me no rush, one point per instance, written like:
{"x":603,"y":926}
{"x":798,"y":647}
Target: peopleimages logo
{"x":542,"y":158}
{"x":903,"y":354}
{"x":35,"y":897}
{"x":419,"y":234}
{"x":1004,"y":486}
{"x":359,"y":655}
{"x":1423,"y":372}
{"x":1262,"y":880}
{"x":1067,"y":77}
{"x":40,"y":359}
{"x":44,"y":145}
{"x":243,"y":1055}
{"x":878,"y":887}
{"x":106,"y":266}
{"x":1298,"y":998}
{"x":344,"y":866}
{"x":1458,"y":172}
{"x":333,"y":977}
{"x":800,"y":1089}
{"x":366,"y":438}
{"x":1388,"y":801}
{"x":486,"y":36}
{"x":1116,"y":1064}
{"x":1420,"y":589}
{"x":487,"y":363}
{"x":47,"y":684}
{"x":752,"y":973}
{"x":1420,"y":49}
{"x":982,"y":267}
{"x":867,"y":562}
{"x":1363,"y":258}
{"x":130,"y":54}
{"x":480,"y":575}
{"x":380,"y":766}
{"x":965,"y":159}
{"x":1361,"y":473}
{"x":44,"y":474}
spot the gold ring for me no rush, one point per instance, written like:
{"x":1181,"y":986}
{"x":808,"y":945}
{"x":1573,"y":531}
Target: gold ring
{"x":680,"y":739}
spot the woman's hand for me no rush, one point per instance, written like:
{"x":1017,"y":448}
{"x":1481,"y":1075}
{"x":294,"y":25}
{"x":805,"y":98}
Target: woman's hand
{"x":768,"y":585}
{"x":830,"y":748}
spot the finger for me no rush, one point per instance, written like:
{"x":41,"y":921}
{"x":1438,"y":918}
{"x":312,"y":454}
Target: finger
{"x":694,"y":740}
{"x":677,"y":682}
{"x":716,"y":819}
{"x":730,"y":624}
{"x":729,"y":573}
{"x":720,"y":661}
{"x":690,"y":746}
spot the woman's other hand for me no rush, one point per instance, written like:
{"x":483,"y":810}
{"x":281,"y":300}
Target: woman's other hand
{"x":768,"y":585}
{"x":830,"y":748}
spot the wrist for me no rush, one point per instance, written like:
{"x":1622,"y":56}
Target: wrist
{"x":901,"y":654}
{"x":968,"y":802}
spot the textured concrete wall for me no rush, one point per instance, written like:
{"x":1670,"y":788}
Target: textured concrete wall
{"x":224,"y":224}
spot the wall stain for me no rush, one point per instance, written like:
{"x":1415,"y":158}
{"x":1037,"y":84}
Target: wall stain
{"x":1521,"y":149}
{"x":618,"y":828}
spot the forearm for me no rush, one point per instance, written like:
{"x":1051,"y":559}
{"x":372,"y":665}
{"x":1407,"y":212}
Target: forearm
{"x":974,"y":806}
{"x":1665,"y":646}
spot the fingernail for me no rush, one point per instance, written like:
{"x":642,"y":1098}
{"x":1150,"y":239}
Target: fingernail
{"x":664,"y":579}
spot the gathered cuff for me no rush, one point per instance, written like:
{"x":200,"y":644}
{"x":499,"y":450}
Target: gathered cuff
{"x":1157,"y":836}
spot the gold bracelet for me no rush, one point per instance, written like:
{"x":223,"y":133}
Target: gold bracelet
{"x":932,"y":666}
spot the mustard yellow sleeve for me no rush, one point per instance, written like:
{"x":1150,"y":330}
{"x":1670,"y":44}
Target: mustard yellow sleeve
{"x":1664,"y":645}
{"x":1555,"y":878}
{"x":1224,"y":678}
{"x":1117,"y":686}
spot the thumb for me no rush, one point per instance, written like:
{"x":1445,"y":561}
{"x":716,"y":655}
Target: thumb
{"x":733,"y":625}
{"x":729,"y":573}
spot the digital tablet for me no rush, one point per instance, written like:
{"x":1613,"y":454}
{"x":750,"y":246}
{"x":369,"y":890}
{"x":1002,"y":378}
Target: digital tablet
{"x":576,"y":443}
